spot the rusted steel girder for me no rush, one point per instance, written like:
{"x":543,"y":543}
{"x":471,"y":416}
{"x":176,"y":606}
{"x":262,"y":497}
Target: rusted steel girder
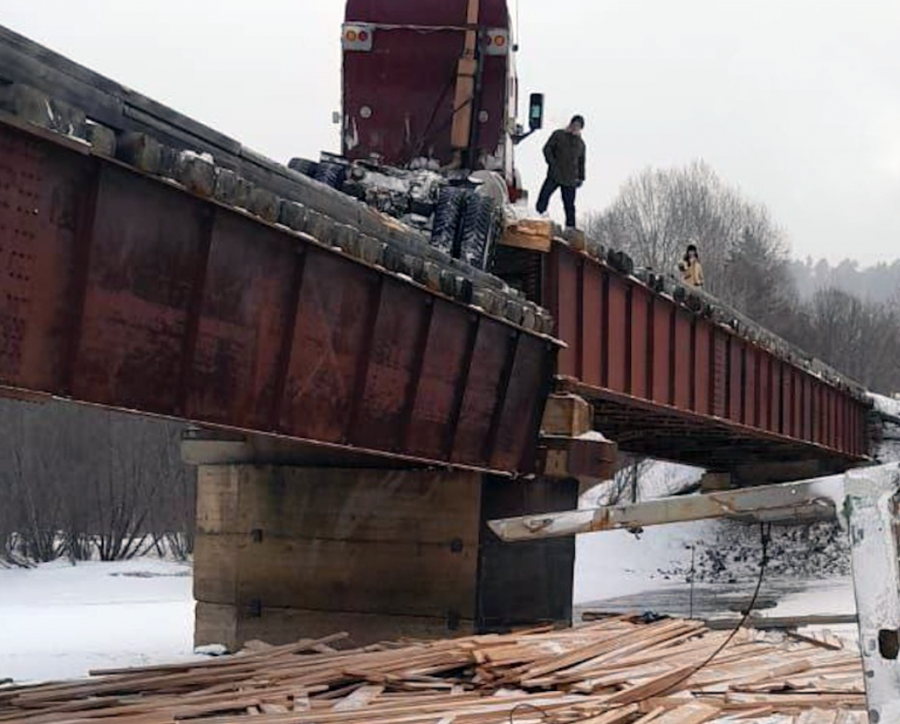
{"x":661,"y":374}
{"x":123,"y":290}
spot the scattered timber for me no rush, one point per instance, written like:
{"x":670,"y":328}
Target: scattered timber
{"x":616,"y":671}
{"x":760,"y":622}
{"x":785,"y":623}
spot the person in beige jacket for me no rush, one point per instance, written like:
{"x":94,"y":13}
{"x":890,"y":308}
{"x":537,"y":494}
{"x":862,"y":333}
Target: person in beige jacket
{"x":691,"y":268}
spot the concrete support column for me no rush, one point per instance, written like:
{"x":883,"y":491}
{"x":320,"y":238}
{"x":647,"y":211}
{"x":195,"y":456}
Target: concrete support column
{"x":288,"y":552}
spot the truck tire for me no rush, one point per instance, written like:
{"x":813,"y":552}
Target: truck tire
{"x":304,"y":166}
{"x":447,"y":216}
{"x":480,"y":229}
{"x":354,"y":189}
{"x":331,"y":174}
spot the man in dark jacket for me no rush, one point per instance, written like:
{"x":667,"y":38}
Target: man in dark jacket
{"x":565,"y":153}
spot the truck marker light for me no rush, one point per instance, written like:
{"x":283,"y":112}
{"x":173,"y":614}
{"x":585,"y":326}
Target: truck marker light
{"x":496,"y":41}
{"x":357,"y":37}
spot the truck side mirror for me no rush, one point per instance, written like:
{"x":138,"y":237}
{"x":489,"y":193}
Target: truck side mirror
{"x":536,"y":111}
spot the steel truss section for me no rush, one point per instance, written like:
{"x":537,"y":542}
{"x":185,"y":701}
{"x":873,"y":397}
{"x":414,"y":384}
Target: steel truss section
{"x":865,"y":501}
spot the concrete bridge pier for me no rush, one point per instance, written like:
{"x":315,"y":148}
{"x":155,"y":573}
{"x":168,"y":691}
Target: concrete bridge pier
{"x":286,"y":551}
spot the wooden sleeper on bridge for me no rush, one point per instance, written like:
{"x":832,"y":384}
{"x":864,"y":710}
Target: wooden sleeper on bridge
{"x":32,"y":106}
{"x":139,"y":150}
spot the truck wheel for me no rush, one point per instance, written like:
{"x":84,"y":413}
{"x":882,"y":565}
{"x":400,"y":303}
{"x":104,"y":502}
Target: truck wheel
{"x":304,"y":166}
{"x":354,"y":189}
{"x":447,"y":217}
{"x":331,"y":174}
{"x":481,"y":226}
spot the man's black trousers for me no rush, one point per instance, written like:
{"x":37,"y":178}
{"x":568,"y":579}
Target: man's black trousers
{"x":568,"y":197}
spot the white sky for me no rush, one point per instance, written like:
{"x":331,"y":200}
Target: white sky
{"x":797,"y":102}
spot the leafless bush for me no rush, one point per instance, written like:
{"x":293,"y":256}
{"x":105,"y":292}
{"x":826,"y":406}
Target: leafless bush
{"x":85,"y":483}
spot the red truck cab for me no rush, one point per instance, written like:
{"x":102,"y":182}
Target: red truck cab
{"x":403,"y":71}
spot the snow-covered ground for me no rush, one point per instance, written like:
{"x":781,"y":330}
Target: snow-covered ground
{"x":808,"y":571}
{"x":59,"y":621}
{"x":889,"y":446}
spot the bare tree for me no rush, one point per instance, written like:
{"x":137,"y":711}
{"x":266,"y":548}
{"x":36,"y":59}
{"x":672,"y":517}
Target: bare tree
{"x":32,"y":492}
{"x":80,"y":482}
{"x":625,"y":487}
{"x":174,"y":514}
{"x":860,"y":338}
{"x":660,"y":211}
{"x":756,"y":276}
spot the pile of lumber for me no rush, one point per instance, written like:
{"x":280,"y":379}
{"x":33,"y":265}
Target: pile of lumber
{"x":616,"y":671}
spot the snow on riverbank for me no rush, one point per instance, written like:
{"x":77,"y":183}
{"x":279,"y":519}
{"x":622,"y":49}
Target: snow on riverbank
{"x":59,"y":621}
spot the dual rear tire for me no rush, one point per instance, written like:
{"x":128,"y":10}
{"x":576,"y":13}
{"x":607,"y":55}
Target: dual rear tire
{"x":467,"y":225}
{"x":330,"y":174}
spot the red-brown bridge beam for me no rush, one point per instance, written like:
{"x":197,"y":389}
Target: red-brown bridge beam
{"x":652,"y":360}
{"x":122,"y":290}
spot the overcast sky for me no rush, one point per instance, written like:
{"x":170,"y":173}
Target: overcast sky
{"x":796,"y":102}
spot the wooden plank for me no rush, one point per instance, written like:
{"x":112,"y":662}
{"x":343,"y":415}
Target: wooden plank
{"x":465,"y":82}
{"x":767,"y":623}
{"x":650,"y":676}
{"x":520,"y":236}
{"x":818,"y":716}
{"x":359,"y":699}
{"x":617,"y":716}
{"x":690,"y":714}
